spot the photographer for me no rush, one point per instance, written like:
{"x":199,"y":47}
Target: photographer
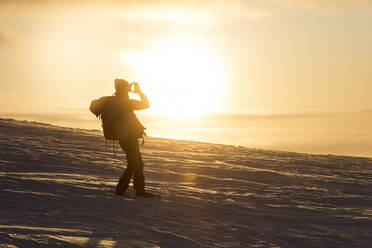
{"x":130,"y":130}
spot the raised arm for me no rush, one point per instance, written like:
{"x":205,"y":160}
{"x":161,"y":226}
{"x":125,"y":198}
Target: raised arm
{"x":143,"y":103}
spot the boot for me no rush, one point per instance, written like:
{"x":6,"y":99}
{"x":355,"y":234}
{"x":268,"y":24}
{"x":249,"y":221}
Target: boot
{"x":120,"y":190}
{"x":144,"y":194}
{"x":122,"y":187}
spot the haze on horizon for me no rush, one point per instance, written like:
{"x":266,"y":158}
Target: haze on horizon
{"x":277,"y":74}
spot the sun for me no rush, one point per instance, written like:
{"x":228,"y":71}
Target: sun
{"x":181,"y":75}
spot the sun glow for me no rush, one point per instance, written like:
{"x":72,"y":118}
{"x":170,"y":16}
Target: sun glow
{"x":181,"y":76}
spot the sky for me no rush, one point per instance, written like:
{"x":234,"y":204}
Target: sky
{"x":270,"y":74}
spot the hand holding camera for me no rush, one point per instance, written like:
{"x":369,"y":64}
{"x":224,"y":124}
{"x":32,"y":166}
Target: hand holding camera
{"x":136,"y":88}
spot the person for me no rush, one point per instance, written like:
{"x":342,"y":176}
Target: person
{"x":130,"y":130}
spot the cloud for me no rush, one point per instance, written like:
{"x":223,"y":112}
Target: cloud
{"x":205,"y":13}
{"x":4,"y":38}
{"x":330,"y":5}
{"x":338,"y":2}
{"x":199,"y":13}
{"x":189,"y":12}
{"x":367,"y":111}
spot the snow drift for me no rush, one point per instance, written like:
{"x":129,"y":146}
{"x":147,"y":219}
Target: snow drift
{"x":57,"y":190}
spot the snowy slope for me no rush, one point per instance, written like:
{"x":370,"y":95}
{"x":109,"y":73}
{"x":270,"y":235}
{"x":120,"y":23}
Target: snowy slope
{"x":57,"y":190}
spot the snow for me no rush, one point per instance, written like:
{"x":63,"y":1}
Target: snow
{"x":57,"y":190}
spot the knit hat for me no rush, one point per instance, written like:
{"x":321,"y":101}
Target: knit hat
{"x":121,"y":85}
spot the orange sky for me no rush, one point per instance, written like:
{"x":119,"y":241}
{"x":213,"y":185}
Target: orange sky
{"x":256,"y":57}
{"x":277,"y":55}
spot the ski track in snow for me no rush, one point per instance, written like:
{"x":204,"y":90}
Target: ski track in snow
{"x":57,"y":190}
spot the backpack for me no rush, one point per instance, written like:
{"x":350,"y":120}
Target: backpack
{"x":115,"y":122}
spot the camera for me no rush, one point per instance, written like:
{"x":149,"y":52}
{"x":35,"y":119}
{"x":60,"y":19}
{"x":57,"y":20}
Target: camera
{"x":135,"y":87}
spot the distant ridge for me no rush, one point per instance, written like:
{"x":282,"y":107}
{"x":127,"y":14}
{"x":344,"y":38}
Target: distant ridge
{"x":99,"y":131}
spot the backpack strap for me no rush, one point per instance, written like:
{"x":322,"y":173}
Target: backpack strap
{"x":143,"y":138}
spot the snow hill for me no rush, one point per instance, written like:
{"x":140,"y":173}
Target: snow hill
{"x":57,"y":190}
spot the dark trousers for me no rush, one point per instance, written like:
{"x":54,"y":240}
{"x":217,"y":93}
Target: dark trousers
{"x":135,"y":166}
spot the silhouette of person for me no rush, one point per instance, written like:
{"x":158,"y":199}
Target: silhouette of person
{"x":130,"y":130}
